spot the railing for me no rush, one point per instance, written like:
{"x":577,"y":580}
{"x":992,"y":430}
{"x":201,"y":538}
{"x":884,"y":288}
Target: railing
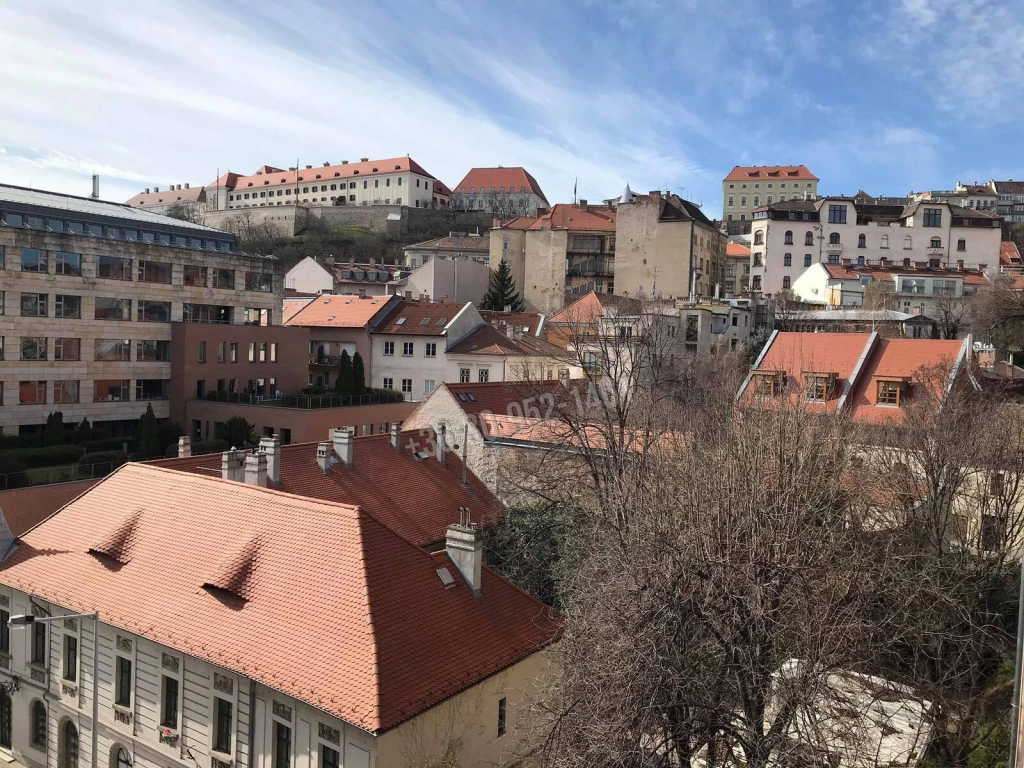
{"x":329,"y":360}
{"x":912,"y":288}
{"x":305,"y":402}
{"x":833,"y":248}
{"x":604,"y":267}
{"x":27,"y":478}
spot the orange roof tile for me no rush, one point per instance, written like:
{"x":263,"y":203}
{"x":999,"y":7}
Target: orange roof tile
{"x":591,"y":308}
{"x":488,"y":340}
{"x":853,"y":272}
{"x":496,"y":179}
{"x":732,"y":248}
{"x":519,"y":222}
{"x":378,"y":637}
{"x":268,"y":176}
{"x":531,"y":321}
{"x":292,"y":305}
{"x":477,"y":243}
{"x":770,"y":172}
{"x":419,"y":318}
{"x":1009,"y":253}
{"x":340,"y":311}
{"x":568,"y":216}
{"x":169,"y":197}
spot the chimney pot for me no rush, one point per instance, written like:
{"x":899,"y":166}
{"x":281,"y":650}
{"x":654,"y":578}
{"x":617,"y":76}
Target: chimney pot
{"x":510,"y":331}
{"x":256,"y":469}
{"x":583,"y":204}
{"x":308,"y":167}
{"x":156,"y":189}
{"x":271,"y":446}
{"x":147,"y":190}
{"x":327,"y":163}
{"x":396,"y":435}
{"x":344,"y":162}
{"x":232,"y":466}
{"x":465,"y":547}
{"x":186,"y":186}
{"x":323,"y":457}
{"x":342,"y":439}
{"x":442,"y":446}
{"x":364,"y":159}
{"x":184,"y":447}
{"x":408,"y":295}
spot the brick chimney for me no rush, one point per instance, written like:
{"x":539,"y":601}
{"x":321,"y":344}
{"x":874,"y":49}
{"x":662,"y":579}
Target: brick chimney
{"x":583,"y":204}
{"x":364,"y":159}
{"x":186,"y":186}
{"x":464,"y":544}
{"x":396,"y":435}
{"x":271,"y":446}
{"x":184,"y":447}
{"x":256,"y":469}
{"x":323,"y":457}
{"x":342,"y":440}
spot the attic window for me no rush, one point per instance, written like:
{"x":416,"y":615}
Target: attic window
{"x":235,"y":571}
{"x":117,"y":543}
{"x":820,"y":385}
{"x":355,"y":173}
{"x":442,"y":321}
{"x":526,"y":329}
{"x":400,"y":321}
{"x":425,"y":322}
{"x":446,"y":578}
{"x":769,"y":383}
{"x":329,"y":319}
{"x":374,"y":170}
{"x":318,"y":175}
{"x":398,"y":167}
{"x":471,"y":397}
{"x":892,"y":390}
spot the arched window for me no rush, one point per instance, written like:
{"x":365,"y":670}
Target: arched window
{"x":936,"y":242}
{"x":759,"y":238}
{"x":785,"y":282}
{"x":862,"y":241}
{"x":885,"y":241}
{"x":38,"y":724}
{"x":907,"y":243}
{"x":961,"y":244}
{"x":5,"y":720}
{"x":119,"y":757}
{"x":789,"y":237}
{"x":69,"y":745}
{"x":833,"y":238}
{"x":809,"y":238}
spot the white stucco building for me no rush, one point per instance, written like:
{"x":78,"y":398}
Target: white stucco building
{"x":454,"y":279}
{"x":790,"y":237}
{"x":327,"y":276}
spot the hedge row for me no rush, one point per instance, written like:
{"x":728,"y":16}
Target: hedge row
{"x":42,"y":457}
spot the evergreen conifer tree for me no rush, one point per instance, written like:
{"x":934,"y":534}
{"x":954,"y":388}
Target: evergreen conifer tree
{"x":502,"y":291}
{"x":147,"y":437}
{"x":358,"y":375}
{"x":343,"y":385}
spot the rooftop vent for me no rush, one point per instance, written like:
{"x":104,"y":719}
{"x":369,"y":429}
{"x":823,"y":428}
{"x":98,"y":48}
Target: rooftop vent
{"x":400,"y":321}
{"x":234,"y":573}
{"x":117,"y":544}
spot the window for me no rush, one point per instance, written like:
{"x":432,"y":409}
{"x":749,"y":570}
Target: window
{"x":807,"y":259}
{"x":69,"y":746}
{"x":502,"y":714}
{"x":169,"y":703}
{"x":261,"y":282}
{"x":5,"y":720}
{"x":69,"y":263}
{"x":889,"y":392}
{"x":837,"y":214}
{"x":406,"y":386}
{"x":757,"y":200}
{"x":789,"y":237}
{"x":152,"y":389}
{"x":31,"y":392}
{"x":862,"y":241}
{"x":769,"y":383}
{"x":113,"y":309}
{"x":993,"y":532}
{"x":731,"y":199}
{"x":68,"y":306}
{"x":273,"y":352}
{"x":194,"y":276}
{"x":885,"y":241}
{"x":121,"y":759}
{"x":233,"y":350}
{"x":65,"y":391}
{"x":407,"y":347}
{"x":154,"y":272}
{"x":33,"y":347}
{"x":464,"y":375}
{"x":224,"y":278}
{"x":205,"y":313}
{"x":483,"y":375}
{"x":907,"y":243}
{"x":329,"y":757}
{"x":123,"y":697}
{"x":282,"y":745}
{"x":389,"y":347}
{"x":430,"y":349}
{"x":67,"y":349}
{"x":786,"y":282}
{"x":932,"y":217}
{"x":787,"y":260}
{"x":112,"y":349}
{"x":39,"y":646}
{"x":114,"y":268}
{"x":222,"y":726}
{"x":154,"y":311}
{"x":201,"y":352}
{"x":819,"y":386}
{"x":961,"y":244}
{"x":388,"y":383}
{"x":428,"y":386}
{"x":71,"y":658}
{"x":34,"y":304}
{"x":38,"y":730}
{"x":833,"y":238}
{"x":759,"y":238}
{"x":33,"y":260}
{"x":936,"y":242}
{"x":743,"y":201}
{"x":110,"y":390}
{"x":808,"y":238}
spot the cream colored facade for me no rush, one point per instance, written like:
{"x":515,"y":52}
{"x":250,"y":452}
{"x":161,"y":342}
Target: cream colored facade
{"x":665,"y":247}
{"x":743,"y":192}
{"x":381,"y":188}
{"x":59,"y":352}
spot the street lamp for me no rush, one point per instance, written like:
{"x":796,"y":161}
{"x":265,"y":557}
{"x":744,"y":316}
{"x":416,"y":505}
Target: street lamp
{"x":25,"y":619}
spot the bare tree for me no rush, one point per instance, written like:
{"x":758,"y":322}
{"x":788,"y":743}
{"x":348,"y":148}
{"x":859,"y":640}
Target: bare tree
{"x":880,"y":294}
{"x":998,"y":315}
{"x":951,"y":314}
{"x":185,"y":211}
{"x":255,"y":233}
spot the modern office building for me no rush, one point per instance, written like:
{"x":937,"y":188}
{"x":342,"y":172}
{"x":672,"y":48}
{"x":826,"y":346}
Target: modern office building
{"x":89,"y":291}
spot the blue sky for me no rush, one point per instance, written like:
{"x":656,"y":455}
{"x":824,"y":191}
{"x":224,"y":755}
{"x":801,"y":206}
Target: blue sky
{"x":886,"y":96}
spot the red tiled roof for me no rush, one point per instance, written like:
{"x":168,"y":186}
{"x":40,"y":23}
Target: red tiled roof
{"x":572,"y":217}
{"x":169,"y":197}
{"x":590,"y":308}
{"x":420,"y":318}
{"x":512,"y":179}
{"x":379,"y":481}
{"x":268,"y":176}
{"x":488,"y":340}
{"x":440,"y":189}
{"x":456,"y":243}
{"x":1009,"y":253}
{"x":843,"y":272}
{"x":342,"y":311}
{"x":532,"y":321}
{"x":732,"y":248}
{"x":519,"y":222}
{"x":508,"y":397}
{"x":380,"y":638}
{"x":770,"y":172}
{"x":292,"y":305}
{"x":228,"y":179}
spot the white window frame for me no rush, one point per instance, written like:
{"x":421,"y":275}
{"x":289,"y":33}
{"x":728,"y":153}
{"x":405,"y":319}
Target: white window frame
{"x":232,"y":698}
{"x":276,"y":718}
{"x":130,"y":655}
{"x":166,"y":657}
{"x":430,"y":349}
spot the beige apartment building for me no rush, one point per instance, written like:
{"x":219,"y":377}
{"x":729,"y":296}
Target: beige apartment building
{"x":88,"y":294}
{"x":749,"y":187}
{"x":667,"y":248}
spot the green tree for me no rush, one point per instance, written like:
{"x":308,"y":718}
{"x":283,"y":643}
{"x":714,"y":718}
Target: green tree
{"x":53,"y":432}
{"x":238,"y":432}
{"x":502,"y":291}
{"x":84,"y":426}
{"x":148,"y":436}
{"x":344,"y":384}
{"x":358,"y":375}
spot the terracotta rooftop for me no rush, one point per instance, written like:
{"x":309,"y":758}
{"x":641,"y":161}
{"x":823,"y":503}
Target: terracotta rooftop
{"x":595,"y":218}
{"x":1009,"y":187}
{"x":488,"y":340}
{"x":169,"y":197}
{"x":1009,"y":254}
{"x":529,"y":323}
{"x":487,"y":180}
{"x":340,"y":311}
{"x":854,"y":272}
{"x":591,"y":308}
{"x":519,"y":222}
{"x":270,"y":176}
{"x":294,"y":303}
{"x":419,"y":318}
{"x":416,"y":498}
{"x":732,"y":248}
{"x":770,"y":172}
{"x":455,"y":243}
{"x":381,"y":639}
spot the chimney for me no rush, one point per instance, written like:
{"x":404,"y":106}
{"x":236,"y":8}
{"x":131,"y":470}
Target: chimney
{"x":179,"y":186}
{"x":442,"y":446}
{"x":256,"y":469}
{"x":147,"y":190}
{"x":510,"y":330}
{"x":344,"y":162}
{"x":408,"y":295}
{"x":465,"y":546}
{"x":329,"y":259}
{"x":342,"y":439}
{"x":364,"y":159}
{"x":95,"y":186}
{"x":186,"y":186}
{"x":583,"y":204}
{"x":271,"y":446}
{"x":327,"y":163}
{"x":232,"y":466}
{"x":496,"y":223}
{"x":156,"y":189}
{"x":184,"y":447}
{"x":508,"y":309}
{"x":424,"y":297}
{"x":960,"y":265}
{"x":323,"y":457}
{"x":396,"y":435}
{"x":308,"y":167}
{"x":655,"y":195}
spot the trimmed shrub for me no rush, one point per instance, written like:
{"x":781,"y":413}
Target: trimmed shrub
{"x":43,"y":457}
{"x":207,"y":446}
{"x":109,"y":444}
{"x":101,"y":464}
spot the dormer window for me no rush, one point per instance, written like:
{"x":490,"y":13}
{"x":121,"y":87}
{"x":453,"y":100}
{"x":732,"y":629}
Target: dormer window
{"x":769,"y":383}
{"x":892,"y":390}
{"x":820,"y":385}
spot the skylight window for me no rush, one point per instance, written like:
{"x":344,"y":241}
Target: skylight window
{"x":446,"y":578}
{"x":400,"y":321}
{"x":471,"y":397}
{"x":425,"y":322}
{"x":442,"y":321}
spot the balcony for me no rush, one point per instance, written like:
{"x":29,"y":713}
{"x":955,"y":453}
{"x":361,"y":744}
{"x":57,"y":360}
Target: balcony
{"x":833,"y":249}
{"x":935,"y":250}
{"x":325,"y":361}
{"x":596,"y":267}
